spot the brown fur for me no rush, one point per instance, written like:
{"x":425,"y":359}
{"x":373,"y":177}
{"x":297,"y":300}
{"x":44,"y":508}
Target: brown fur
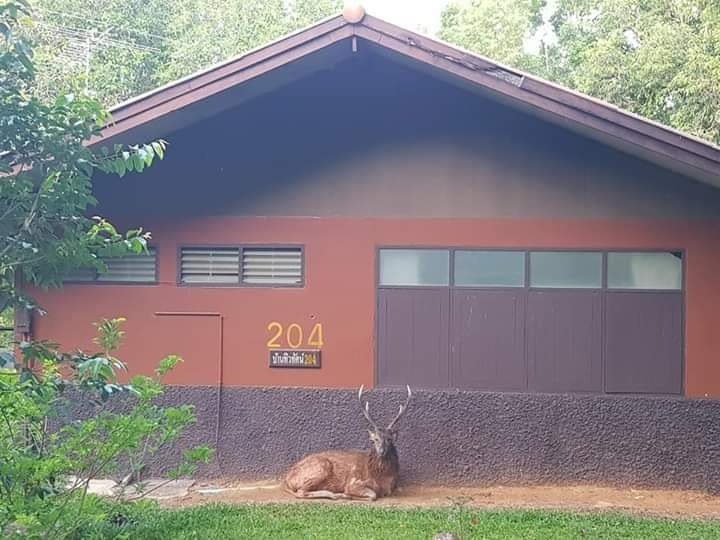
{"x":350,"y":474}
{"x":344,"y":474}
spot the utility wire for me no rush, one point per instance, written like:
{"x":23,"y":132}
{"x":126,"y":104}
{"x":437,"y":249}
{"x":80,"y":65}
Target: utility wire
{"x":102,"y":23}
{"x":93,"y":35}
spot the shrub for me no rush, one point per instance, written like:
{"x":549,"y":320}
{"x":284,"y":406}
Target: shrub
{"x":47,"y":462}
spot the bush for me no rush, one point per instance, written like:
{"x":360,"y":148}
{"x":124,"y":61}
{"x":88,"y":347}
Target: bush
{"x":46,"y":463}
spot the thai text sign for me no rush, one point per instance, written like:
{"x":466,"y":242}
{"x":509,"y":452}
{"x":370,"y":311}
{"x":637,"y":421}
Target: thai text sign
{"x":295,"y":358}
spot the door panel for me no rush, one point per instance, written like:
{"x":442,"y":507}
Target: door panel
{"x":643,"y":342}
{"x":564,"y":331}
{"x":488,"y":340}
{"x":413,"y":330}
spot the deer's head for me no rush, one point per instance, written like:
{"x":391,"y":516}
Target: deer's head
{"x":383,"y":439}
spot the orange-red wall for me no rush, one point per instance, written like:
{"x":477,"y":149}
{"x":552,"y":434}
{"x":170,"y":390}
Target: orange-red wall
{"x":340,"y":294}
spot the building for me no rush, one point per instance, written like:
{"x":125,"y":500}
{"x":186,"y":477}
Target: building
{"x":357,"y":204}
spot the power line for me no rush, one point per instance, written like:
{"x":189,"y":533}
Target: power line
{"x":99,"y":22}
{"x":81,"y":34}
{"x":75,"y":46}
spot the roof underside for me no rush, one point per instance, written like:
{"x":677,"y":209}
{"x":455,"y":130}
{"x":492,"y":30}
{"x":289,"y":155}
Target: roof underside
{"x":322,"y":46}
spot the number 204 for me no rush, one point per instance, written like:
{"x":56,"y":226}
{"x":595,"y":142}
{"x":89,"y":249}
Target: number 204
{"x":294,"y":336}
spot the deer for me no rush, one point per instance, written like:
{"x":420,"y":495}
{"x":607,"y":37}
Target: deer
{"x":351,"y":474}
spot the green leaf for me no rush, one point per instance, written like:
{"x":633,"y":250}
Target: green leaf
{"x":138,"y":162}
{"x":120,"y":167}
{"x":149,"y":154}
{"x":167,"y":364}
{"x":159,"y":149}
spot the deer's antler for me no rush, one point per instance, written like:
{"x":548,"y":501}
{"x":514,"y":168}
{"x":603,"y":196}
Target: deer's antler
{"x":402,"y":410}
{"x":365,"y":408}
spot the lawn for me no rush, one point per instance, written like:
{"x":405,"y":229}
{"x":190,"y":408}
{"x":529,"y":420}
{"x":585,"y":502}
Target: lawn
{"x":321,"y":521}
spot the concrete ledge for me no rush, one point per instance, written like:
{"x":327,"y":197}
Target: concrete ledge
{"x":463,"y":437}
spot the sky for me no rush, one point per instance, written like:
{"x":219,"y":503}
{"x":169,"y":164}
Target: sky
{"x":417,"y":15}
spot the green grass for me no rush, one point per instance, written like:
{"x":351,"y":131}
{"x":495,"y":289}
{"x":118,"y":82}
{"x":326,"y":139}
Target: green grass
{"x":320,"y":521}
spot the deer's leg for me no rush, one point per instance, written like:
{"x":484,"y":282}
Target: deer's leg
{"x":319,"y":494}
{"x":357,"y":491}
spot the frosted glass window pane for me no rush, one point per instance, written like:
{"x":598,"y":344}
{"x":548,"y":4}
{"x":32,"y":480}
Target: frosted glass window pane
{"x":490,"y":268}
{"x":414,"y":267}
{"x":566,"y":269}
{"x":645,"y":271}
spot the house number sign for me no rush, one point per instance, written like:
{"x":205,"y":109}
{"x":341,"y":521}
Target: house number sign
{"x":290,"y":348}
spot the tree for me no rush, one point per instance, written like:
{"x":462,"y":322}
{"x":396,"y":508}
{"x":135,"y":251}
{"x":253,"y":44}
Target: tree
{"x":48,"y":455}
{"x":113,"y":50}
{"x":205,"y":32}
{"x":117,"y":50}
{"x":659,"y":58}
{"x":46,"y":230}
{"x":496,"y":29}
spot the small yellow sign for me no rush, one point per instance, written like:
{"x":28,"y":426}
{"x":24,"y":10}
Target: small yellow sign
{"x":295,"y":359}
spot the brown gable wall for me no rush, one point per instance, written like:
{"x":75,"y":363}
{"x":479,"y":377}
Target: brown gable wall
{"x":378,"y":140}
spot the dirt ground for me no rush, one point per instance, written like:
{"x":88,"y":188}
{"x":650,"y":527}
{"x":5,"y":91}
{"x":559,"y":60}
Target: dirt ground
{"x":689,"y":504}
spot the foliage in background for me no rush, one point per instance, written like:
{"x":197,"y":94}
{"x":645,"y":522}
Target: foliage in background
{"x":45,"y":471}
{"x":115,"y":49}
{"x":46,"y":231}
{"x":496,"y":29}
{"x":203,"y":33}
{"x":7,"y":320}
{"x":659,"y":58}
{"x":118,"y":50}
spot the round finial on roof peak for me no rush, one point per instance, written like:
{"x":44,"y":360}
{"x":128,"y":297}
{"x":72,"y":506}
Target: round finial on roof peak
{"x":353,"y":12}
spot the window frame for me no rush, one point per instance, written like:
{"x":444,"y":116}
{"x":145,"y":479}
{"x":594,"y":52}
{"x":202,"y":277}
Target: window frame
{"x":451,"y":266}
{"x":606,"y":286}
{"x":526,"y":257}
{"x":603,"y":269}
{"x":240,"y":283}
{"x":95,"y":281}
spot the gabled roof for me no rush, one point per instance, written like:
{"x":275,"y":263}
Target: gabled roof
{"x":320,"y":46}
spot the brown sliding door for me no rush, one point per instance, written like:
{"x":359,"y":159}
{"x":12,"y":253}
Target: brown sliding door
{"x":643,"y":323}
{"x":413,"y":317}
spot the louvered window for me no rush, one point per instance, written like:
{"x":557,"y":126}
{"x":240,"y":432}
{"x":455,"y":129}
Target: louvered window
{"x":81,"y":274}
{"x":126,"y":269}
{"x":130,"y":268}
{"x":210,"y":265}
{"x":243,"y":265}
{"x":272,"y":266}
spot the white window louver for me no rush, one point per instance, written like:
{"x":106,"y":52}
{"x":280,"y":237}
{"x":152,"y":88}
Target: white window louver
{"x":272,"y":266}
{"x":210,"y":265}
{"x":126,"y":269}
{"x":130,"y":268}
{"x":81,"y":274}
